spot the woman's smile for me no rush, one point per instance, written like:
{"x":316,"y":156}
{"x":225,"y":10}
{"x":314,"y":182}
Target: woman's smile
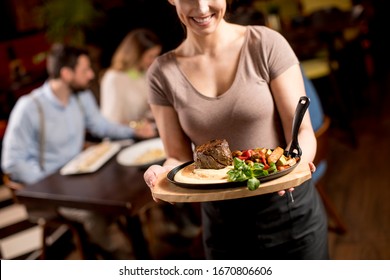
{"x":203,"y":20}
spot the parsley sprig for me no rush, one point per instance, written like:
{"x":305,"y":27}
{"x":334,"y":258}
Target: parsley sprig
{"x":249,"y":172}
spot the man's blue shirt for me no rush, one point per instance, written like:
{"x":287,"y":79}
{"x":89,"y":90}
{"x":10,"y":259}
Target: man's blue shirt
{"x":64,"y":136}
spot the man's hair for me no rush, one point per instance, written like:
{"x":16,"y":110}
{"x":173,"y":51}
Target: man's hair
{"x":62,"y":56}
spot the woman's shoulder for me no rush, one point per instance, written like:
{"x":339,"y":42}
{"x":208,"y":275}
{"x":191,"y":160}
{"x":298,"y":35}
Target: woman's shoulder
{"x":261,"y":31}
{"x":266,"y":39}
{"x":163,"y":63}
{"x":113,"y":76}
{"x":166,"y":58}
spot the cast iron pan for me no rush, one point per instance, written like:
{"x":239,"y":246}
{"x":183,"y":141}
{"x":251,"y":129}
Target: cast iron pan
{"x":294,"y":151}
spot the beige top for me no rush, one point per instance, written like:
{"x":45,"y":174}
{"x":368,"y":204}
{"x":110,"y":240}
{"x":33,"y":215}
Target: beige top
{"x":245,"y":115}
{"x":123,"y":98}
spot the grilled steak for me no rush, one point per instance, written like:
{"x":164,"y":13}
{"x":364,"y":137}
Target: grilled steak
{"x":214,"y":154}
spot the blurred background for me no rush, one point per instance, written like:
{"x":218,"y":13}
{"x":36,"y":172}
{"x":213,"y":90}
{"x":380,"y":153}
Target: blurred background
{"x":344,"y":54}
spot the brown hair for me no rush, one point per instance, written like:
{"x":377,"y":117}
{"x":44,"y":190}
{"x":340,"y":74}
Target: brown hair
{"x":132,"y":47}
{"x":62,"y":56}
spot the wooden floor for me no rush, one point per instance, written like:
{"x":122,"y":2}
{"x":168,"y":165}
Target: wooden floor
{"x":358,"y":180}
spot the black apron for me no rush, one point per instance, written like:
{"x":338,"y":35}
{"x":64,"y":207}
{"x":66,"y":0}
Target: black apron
{"x":267,"y":226}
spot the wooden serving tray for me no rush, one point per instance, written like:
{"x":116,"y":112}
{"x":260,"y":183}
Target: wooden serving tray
{"x":170,"y":192}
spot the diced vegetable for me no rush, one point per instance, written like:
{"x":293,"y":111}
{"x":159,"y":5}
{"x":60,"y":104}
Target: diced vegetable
{"x":249,"y":165}
{"x":253,"y":183}
{"x":275,"y":155}
{"x":282,"y":161}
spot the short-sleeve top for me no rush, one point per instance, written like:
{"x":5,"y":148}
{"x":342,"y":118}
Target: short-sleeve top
{"x":245,"y":115}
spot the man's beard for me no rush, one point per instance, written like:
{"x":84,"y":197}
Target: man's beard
{"x":77,"y":88}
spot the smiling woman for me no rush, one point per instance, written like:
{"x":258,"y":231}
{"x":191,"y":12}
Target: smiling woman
{"x":242,"y":84}
{"x":200,"y":16}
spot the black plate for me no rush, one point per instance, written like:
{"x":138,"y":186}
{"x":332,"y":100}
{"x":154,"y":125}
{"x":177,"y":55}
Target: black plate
{"x":294,"y":151}
{"x":172,"y":173}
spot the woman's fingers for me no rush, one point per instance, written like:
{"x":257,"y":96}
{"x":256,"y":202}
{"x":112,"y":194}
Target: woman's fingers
{"x":151,"y":174}
{"x":283,"y":192}
{"x":156,"y":199}
{"x":312,"y":170}
{"x":146,"y":130}
{"x":312,"y":167}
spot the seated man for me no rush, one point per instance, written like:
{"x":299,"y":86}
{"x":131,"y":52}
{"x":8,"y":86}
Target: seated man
{"x":46,"y":128}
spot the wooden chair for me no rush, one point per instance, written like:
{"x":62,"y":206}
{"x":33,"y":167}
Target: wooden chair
{"x":50,"y":222}
{"x":336,"y":223}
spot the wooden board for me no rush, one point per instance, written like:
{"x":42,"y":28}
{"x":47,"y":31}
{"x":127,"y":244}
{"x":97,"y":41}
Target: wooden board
{"x":169,"y":192}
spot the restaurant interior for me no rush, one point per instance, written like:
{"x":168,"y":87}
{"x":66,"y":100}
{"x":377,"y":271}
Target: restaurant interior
{"x":343,"y":50}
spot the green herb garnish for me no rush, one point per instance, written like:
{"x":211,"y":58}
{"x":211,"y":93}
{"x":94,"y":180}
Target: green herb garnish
{"x":249,"y":172}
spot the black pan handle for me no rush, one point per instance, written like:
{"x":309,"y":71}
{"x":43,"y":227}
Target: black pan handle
{"x":303,"y":104}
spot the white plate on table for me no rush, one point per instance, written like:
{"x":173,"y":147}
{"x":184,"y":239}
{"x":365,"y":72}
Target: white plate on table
{"x":142,"y":154}
{"x":91,"y":159}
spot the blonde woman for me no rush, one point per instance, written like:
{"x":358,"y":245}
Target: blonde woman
{"x":123,"y":86}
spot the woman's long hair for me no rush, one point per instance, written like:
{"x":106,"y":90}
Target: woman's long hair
{"x":132,"y":47}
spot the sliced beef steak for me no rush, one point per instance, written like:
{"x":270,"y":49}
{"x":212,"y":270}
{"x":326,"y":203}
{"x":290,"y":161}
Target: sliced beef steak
{"x":214,"y":154}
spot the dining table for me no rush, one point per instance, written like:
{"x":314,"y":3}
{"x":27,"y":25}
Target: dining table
{"x":113,"y":189}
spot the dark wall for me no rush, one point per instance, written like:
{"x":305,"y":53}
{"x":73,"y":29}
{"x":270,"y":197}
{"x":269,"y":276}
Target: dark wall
{"x":7,"y":27}
{"x":118,"y":18}
{"x":158,"y":15}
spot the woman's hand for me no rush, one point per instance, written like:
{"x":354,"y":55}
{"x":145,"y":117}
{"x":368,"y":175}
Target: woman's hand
{"x":312,"y":167}
{"x":152,"y":173}
{"x":144,"y":129}
{"x":312,"y":170}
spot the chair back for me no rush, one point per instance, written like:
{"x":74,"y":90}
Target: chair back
{"x":12,"y":186}
{"x":322,"y":136}
{"x":336,"y":222}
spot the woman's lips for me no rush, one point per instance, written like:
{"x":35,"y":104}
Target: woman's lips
{"x":202,"y":20}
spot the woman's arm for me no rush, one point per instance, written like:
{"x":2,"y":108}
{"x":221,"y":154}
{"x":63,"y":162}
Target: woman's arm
{"x":287,"y":89}
{"x":176,"y":144}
